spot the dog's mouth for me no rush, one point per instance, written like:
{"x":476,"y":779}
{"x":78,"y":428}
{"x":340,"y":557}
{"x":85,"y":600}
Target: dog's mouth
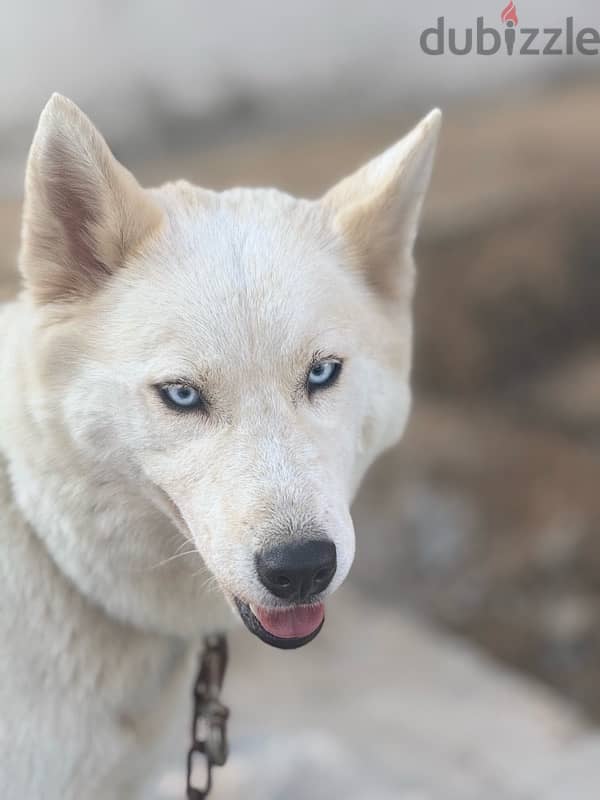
{"x":286,"y":628}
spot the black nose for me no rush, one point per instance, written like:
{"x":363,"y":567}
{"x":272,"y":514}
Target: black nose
{"x":297,"y":571}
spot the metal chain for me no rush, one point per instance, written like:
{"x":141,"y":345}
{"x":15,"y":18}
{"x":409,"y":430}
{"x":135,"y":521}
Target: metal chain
{"x":209,"y":724}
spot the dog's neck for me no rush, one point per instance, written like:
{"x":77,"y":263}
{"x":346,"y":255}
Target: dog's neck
{"x":107,"y":534}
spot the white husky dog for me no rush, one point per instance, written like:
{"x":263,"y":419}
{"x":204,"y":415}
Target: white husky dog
{"x":184,"y":369}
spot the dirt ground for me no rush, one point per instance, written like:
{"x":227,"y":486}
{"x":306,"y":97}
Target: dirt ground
{"x":486,"y":519}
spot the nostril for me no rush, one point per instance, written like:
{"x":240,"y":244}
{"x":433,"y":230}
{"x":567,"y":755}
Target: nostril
{"x":323,"y":574}
{"x":283,"y":581}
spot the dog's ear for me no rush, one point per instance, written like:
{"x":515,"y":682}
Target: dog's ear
{"x":83,"y":212}
{"x":377,"y":209}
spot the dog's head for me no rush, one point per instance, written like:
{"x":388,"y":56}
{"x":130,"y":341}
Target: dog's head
{"x":245,"y":355}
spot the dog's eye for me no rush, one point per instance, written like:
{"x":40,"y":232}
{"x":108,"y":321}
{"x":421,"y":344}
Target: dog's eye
{"x":323,"y":374}
{"x":181,"y":396}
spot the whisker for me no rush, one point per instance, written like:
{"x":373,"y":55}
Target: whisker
{"x":209,"y":584}
{"x":168,"y":560}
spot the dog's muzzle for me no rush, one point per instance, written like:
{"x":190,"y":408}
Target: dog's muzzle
{"x":297,"y":573}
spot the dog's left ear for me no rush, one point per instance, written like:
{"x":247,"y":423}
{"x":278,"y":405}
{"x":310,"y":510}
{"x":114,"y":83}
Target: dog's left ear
{"x":376,"y":210}
{"x":84,"y":213}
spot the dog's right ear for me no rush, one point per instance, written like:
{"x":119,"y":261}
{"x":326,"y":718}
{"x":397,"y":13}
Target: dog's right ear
{"x":83,"y":211}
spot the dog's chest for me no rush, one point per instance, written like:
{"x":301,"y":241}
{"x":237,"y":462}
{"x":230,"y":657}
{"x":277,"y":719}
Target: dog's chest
{"x":74,"y":681}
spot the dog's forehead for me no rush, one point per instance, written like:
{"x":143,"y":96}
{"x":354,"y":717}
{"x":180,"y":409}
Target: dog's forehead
{"x":245,"y":271}
{"x":236,"y":281}
{"x":247,"y":238}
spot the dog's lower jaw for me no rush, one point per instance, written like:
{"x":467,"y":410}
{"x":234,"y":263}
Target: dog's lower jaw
{"x":148,"y":589}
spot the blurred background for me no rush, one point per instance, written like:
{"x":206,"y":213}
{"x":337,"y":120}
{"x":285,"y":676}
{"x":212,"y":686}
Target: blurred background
{"x":477,"y":577}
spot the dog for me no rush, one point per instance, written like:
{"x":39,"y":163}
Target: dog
{"x":184,"y":373}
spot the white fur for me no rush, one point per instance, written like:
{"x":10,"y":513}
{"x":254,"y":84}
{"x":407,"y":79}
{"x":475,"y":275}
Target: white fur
{"x":102,"y":488}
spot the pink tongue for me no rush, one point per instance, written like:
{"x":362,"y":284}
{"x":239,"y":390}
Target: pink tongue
{"x":290,"y":623}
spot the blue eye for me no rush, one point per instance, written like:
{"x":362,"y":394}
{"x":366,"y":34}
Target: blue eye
{"x":323,"y":374}
{"x":181,"y":396}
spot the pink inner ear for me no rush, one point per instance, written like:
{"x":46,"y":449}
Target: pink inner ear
{"x":73,"y":201}
{"x":83,"y":211}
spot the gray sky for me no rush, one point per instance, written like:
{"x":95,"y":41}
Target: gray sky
{"x":148,"y":70}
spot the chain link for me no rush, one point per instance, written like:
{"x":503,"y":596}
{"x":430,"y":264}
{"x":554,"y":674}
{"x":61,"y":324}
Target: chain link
{"x":209,"y":723}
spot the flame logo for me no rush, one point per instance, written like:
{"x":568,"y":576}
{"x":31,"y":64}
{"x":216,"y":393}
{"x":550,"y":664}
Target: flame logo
{"x":509,"y":14}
